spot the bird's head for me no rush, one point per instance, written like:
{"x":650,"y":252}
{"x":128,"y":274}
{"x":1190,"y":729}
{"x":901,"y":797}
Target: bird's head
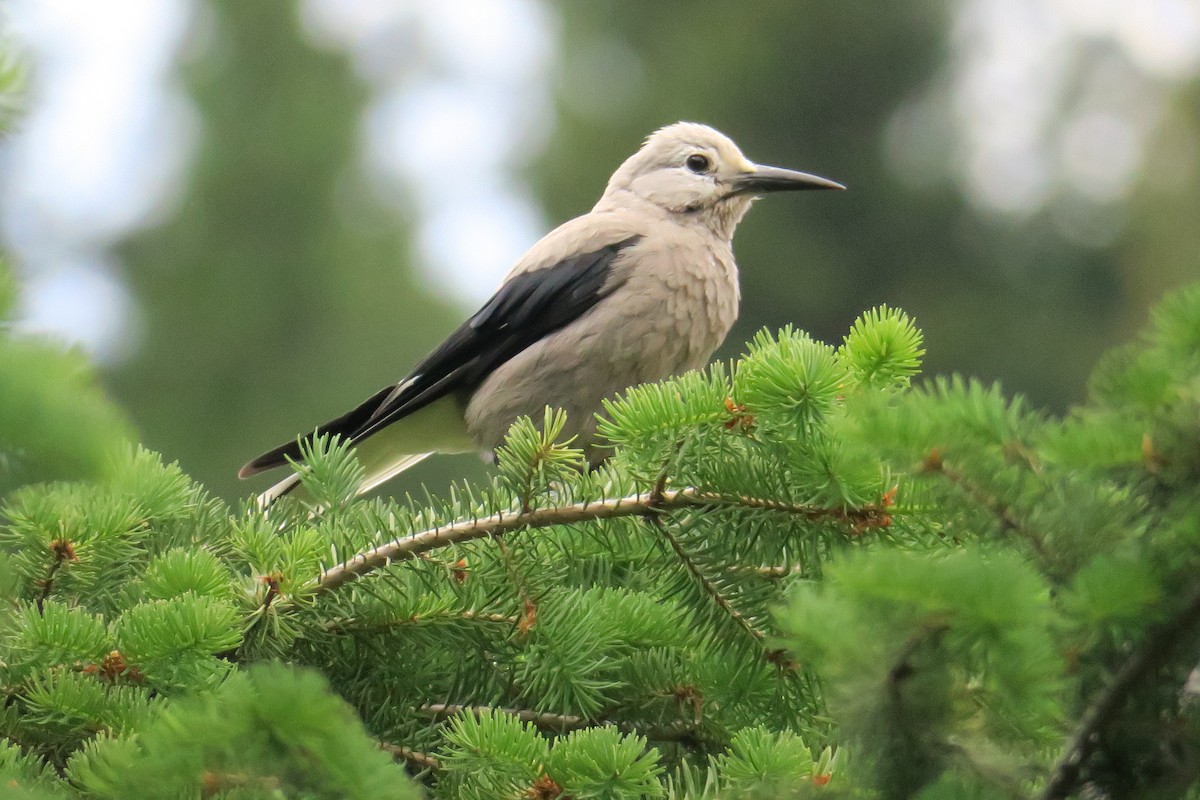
{"x":692,"y":169}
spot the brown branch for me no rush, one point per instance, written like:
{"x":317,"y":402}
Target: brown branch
{"x":415,"y":757}
{"x":541,"y":719}
{"x":636,"y":505}
{"x":499,"y":619}
{"x":1153,"y":653}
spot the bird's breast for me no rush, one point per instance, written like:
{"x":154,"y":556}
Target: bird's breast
{"x":703,"y":301}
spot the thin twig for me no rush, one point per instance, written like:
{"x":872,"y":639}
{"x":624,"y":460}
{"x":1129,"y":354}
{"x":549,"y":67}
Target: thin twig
{"x":1007,"y":519}
{"x":414,"y":757}
{"x":529,"y":608}
{"x":768,"y":572}
{"x":541,"y":719}
{"x":1150,"y":656}
{"x":715,"y":594}
{"x":63,"y":552}
{"x":636,"y":505}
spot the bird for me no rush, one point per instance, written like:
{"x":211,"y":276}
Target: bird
{"x":641,"y":288}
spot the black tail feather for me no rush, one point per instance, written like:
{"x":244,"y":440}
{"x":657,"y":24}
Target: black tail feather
{"x":348,"y":426}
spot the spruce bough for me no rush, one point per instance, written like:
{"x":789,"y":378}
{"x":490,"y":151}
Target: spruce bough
{"x":798,"y":574}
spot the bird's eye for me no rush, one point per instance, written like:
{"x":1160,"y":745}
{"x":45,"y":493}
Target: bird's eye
{"x":698,"y":162}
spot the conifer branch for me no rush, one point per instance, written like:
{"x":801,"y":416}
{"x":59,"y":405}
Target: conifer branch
{"x":499,"y":619}
{"x":635,"y":505}
{"x":354,"y":626}
{"x":541,"y":719}
{"x":770,"y":572}
{"x":563,"y":723}
{"x":1153,"y":653}
{"x":415,"y":757}
{"x":717,"y":596}
{"x":63,"y":552}
{"x":656,"y":498}
{"x":1007,"y":519}
{"x":528,"y":606}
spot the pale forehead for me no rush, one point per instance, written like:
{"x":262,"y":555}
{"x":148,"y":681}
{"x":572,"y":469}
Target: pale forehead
{"x":674,"y":139}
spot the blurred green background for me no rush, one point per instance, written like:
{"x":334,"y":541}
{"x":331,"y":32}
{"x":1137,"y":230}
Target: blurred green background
{"x":336,"y":184}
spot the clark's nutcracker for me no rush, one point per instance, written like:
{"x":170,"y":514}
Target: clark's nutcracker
{"x":641,"y":288}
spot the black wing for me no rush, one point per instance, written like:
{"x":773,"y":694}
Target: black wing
{"x":526,"y":309}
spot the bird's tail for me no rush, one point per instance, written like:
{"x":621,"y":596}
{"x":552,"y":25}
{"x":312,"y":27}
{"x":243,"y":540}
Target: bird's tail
{"x":385,"y":453}
{"x":291,"y":484}
{"x":377,"y":477}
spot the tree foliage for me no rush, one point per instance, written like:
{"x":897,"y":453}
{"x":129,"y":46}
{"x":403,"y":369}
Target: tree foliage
{"x":54,"y":420}
{"x":805,"y":572}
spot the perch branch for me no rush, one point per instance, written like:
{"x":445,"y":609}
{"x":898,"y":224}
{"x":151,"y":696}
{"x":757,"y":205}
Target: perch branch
{"x":648,"y":504}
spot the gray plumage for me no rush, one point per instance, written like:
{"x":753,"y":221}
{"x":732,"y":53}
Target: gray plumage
{"x":641,"y":288}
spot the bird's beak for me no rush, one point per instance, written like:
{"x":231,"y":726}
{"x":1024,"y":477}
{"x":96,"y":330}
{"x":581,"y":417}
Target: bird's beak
{"x":777,"y":179}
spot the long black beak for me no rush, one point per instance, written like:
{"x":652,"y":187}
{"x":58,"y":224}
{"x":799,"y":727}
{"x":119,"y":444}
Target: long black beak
{"x":778,"y":179}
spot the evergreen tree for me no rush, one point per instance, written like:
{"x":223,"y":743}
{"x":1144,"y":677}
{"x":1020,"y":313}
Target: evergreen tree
{"x":799,"y":574}
{"x":54,"y":420}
